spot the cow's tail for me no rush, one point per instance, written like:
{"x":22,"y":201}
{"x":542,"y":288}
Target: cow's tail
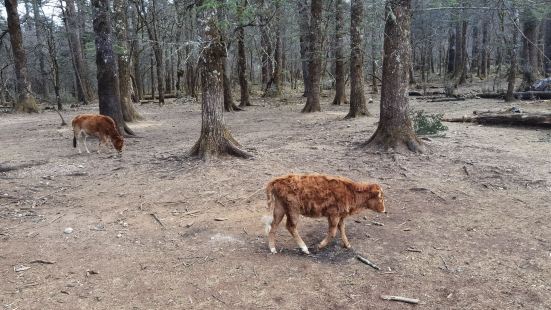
{"x":74,"y":140}
{"x":267,"y":219}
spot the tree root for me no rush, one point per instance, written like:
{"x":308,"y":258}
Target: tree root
{"x":210,"y":145}
{"x":395,"y":139}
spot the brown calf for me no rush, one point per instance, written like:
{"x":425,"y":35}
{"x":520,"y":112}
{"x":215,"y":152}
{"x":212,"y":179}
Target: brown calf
{"x":100,"y":126}
{"x":315,"y":195}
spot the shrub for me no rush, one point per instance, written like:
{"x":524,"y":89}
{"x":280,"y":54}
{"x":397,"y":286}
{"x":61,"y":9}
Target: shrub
{"x":426,"y":124}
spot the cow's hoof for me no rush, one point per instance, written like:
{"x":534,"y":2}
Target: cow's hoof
{"x":273,"y":250}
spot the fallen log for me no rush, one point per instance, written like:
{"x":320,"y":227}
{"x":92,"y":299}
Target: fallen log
{"x":450,"y":99}
{"x":167,"y":96}
{"x":531,"y":95}
{"x":491,"y":95}
{"x":516,"y":119}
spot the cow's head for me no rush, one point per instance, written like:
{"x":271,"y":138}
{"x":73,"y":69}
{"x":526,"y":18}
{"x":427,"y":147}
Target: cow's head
{"x":118,"y":143}
{"x":376,"y":200}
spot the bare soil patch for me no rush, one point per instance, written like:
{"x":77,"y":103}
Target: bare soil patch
{"x":467,"y":228}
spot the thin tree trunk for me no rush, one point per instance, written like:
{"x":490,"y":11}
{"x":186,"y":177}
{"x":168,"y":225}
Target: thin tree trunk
{"x":358,"y":106}
{"x":129,"y":113}
{"x":340,"y":96}
{"x":25,"y":101}
{"x":451,"y":52}
{"x":463,"y":68}
{"x":242,"y":59}
{"x":108,"y":83}
{"x":475,"y":50}
{"x":42,"y":88}
{"x":84,"y":90}
{"x":215,"y":138}
{"x":509,"y":96}
{"x":273,"y":88}
{"x":395,"y":128}
{"x":314,"y":67}
{"x":304,"y":25}
{"x":547,"y":45}
{"x":529,"y":51}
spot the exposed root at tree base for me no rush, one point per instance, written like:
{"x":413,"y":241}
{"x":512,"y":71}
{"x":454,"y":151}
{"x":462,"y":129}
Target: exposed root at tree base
{"x":309,"y":108}
{"x":210,"y":146}
{"x":351,"y":115}
{"x":396,"y":140}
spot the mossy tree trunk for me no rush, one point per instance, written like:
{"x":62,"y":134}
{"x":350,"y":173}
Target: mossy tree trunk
{"x":395,"y":128}
{"x":358,"y":106}
{"x":25,"y":101}
{"x":215,"y":139}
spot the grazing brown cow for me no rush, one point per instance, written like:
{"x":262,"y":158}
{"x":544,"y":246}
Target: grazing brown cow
{"x":100,"y":126}
{"x":315,"y":195}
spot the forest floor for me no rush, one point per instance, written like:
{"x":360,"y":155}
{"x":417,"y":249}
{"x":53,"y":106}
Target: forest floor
{"x":467,"y":224}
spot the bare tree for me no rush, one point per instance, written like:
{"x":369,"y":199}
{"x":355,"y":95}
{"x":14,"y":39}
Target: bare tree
{"x":358,"y":106}
{"x":314,"y":67}
{"x":241,"y":57}
{"x":120,"y":15}
{"x":215,"y":138}
{"x":25,"y":101}
{"x":395,"y":127}
{"x":340,"y":96}
{"x":106,"y":62}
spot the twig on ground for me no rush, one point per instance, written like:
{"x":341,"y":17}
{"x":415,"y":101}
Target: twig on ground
{"x":157,"y":219}
{"x":41,"y":261}
{"x":400,"y":298}
{"x":443,"y":261}
{"x":413,"y":250}
{"x":466,"y":171}
{"x":57,"y":218}
{"x":367,"y":262}
{"x":377,"y":223}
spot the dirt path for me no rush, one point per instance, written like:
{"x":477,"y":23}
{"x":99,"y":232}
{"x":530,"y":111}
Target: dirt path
{"x":467,"y":228}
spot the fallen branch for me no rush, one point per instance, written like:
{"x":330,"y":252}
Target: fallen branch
{"x":447,"y":99}
{"x":157,"y":219}
{"x":400,"y":298}
{"x":41,"y":261}
{"x":367,"y":262}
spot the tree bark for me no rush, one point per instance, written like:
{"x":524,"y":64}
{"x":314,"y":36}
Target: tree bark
{"x":340,"y":96}
{"x":215,"y":138}
{"x":273,"y":88}
{"x":451,"y":52}
{"x":475,"y":50}
{"x":314,"y":67}
{"x":106,"y":62}
{"x":304,"y":25}
{"x":511,"y":76}
{"x":484,"y":55}
{"x":25,"y":101}
{"x":547,"y":46}
{"x":242,"y":59}
{"x":508,"y":118}
{"x":42,"y":87}
{"x":529,"y":51}
{"x":84,"y":89}
{"x":358,"y":106}
{"x":130,"y":114}
{"x":463,"y":68}
{"x":395,"y":128}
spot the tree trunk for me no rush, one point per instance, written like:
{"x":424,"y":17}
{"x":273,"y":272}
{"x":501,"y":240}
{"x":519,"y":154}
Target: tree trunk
{"x":463,"y":68}
{"x":340,"y":96}
{"x":84,"y":90}
{"x":108,"y":83}
{"x":215,"y":138}
{"x":242,"y":59}
{"x":506,"y":118}
{"x":511,"y":76}
{"x":39,"y":24}
{"x":304,"y":25}
{"x":123,"y":60}
{"x":314,"y":67}
{"x":25,"y":101}
{"x":229,"y":104}
{"x":484,"y":55}
{"x":358,"y":106}
{"x":547,"y":46}
{"x":451,"y":52}
{"x":475,"y":50}
{"x":395,"y":129}
{"x":529,"y":52}
{"x":273,"y":89}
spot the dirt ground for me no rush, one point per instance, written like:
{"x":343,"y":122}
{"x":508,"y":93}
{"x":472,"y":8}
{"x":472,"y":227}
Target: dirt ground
{"x":467,"y":227}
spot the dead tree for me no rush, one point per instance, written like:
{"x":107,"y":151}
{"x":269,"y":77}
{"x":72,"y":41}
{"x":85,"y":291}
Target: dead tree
{"x":358,"y":106}
{"x":215,"y":138}
{"x":106,"y":62}
{"x":25,"y":101}
{"x":395,"y":128}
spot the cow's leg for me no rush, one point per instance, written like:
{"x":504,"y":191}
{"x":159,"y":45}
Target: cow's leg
{"x":279,"y":212}
{"x":345,"y":242}
{"x":292,"y":221}
{"x":332,"y":232}
{"x":84,"y":142}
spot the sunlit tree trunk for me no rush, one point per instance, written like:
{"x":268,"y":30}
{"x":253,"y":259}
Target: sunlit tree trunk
{"x":358,"y":106}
